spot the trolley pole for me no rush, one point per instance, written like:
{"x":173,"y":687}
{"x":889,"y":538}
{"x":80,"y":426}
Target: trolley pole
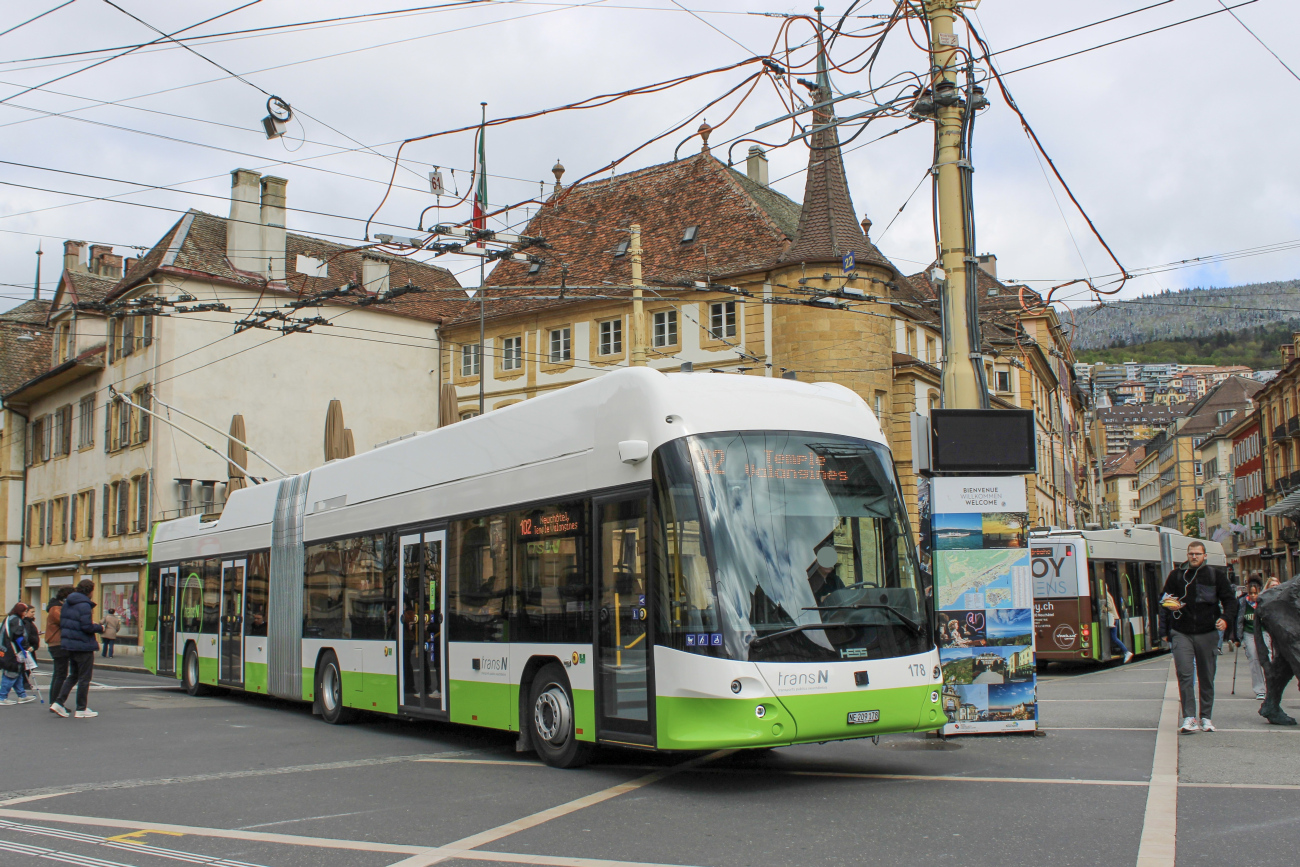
{"x":962,"y":382}
{"x":638,"y":306}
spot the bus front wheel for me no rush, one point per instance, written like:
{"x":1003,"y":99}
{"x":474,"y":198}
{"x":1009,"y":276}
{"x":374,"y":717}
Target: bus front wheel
{"x":329,"y":691}
{"x":190,"y":672}
{"x":551,"y":718}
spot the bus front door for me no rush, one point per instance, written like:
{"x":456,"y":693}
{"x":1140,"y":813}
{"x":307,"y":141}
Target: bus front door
{"x":167,"y":620}
{"x":231,"y":670}
{"x":623,"y":654}
{"x":423,"y":648}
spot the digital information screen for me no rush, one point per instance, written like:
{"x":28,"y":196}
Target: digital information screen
{"x":983,"y":441}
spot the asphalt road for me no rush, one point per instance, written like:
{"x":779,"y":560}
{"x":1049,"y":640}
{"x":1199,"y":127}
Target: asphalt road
{"x":162,"y":778}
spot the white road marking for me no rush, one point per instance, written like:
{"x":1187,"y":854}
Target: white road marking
{"x":133,"y":845}
{"x":959,"y":779}
{"x":306,"y":819}
{"x":461,"y":846}
{"x":1160,"y":823}
{"x":1284,"y":786}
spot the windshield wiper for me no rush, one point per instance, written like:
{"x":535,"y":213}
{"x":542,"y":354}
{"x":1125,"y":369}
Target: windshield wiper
{"x":907,"y":621}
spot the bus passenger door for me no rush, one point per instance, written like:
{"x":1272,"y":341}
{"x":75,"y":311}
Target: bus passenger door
{"x":624,"y":683}
{"x":422,"y":647}
{"x":167,"y":620}
{"x":231,"y":671}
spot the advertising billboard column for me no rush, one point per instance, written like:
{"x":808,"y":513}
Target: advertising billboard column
{"x":984,"y":593}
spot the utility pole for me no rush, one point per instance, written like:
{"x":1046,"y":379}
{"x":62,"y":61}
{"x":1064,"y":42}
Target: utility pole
{"x":963,"y":383}
{"x":638,"y":306}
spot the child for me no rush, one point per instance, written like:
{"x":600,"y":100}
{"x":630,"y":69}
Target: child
{"x":12,"y":669}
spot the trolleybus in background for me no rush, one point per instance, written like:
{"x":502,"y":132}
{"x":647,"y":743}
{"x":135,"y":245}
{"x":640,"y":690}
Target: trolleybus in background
{"x":675,"y":562}
{"x":1073,"y":569}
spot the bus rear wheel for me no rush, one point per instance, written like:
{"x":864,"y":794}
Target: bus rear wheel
{"x":190,"y":672}
{"x":329,"y":691}
{"x":553,"y":730}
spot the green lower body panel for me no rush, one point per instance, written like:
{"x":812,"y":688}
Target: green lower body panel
{"x":482,"y":704}
{"x":366,"y":691}
{"x":714,"y":723}
{"x":584,"y":714}
{"x":208,"y":670}
{"x":255,"y":677}
{"x":149,"y":648}
{"x":1139,"y":643}
{"x":309,"y":684}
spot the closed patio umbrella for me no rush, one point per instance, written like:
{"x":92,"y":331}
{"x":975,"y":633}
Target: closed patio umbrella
{"x":236,"y":476}
{"x":349,"y":444}
{"x":335,"y":444}
{"x":447,"y":405}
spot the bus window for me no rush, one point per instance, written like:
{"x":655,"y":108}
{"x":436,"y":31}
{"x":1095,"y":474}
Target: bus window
{"x":478,"y":578}
{"x":348,"y":591}
{"x":551,"y":580}
{"x":1134,"y":591}
{"x":1098,"y":583}
{"x":190,"y":593}
{"x":211,"y":595}
{"x":686,"y":601}
{"x":255,"y":591}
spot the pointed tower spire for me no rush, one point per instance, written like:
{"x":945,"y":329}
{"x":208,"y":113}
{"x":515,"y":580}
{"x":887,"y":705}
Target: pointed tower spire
{"x":828,"y":226}
{"x":39,"y":254}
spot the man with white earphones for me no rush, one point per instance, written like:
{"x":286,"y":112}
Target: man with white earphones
{"x":1201,"y":604}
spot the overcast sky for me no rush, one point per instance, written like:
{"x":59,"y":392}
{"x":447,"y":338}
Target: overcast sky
{"x":1178,"y":143}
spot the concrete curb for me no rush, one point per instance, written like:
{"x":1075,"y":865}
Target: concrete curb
{"x":46,"y":660}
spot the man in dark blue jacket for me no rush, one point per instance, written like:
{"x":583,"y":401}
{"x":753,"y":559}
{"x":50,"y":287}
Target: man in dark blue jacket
{"x":79,"y":628}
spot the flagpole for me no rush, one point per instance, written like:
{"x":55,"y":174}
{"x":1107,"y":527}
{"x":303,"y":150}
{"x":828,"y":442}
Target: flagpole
{"x":482,"y":260}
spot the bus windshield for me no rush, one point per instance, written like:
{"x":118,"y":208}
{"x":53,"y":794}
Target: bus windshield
{"x":809,"y":549}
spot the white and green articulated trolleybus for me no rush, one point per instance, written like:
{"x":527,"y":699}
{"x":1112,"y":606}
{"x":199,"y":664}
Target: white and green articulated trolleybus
{"x":672,"y":562}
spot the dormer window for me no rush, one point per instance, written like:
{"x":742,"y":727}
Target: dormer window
{"x":620,"y":249}
{"x":534,"y":268}
{"x":689,"y":235}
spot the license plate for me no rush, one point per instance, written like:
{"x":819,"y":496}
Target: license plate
{"x":858,"y":717}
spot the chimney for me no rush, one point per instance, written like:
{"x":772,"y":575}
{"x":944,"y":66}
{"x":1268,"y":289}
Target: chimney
{"x":1288,"y":353}
{"x":756,"y":165}
{"x":273,"y":227}
{"x":244,"y":228}
{"x":374,"y":274}
{"x":989,"y":263}
{"x":127,"y":265}
{"x":103,"y":262}
{"x":72,"y":256}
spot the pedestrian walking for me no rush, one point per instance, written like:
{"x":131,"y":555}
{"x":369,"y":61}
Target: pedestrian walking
{"x":112,"y":623}
{"x":54,"y":642}
{"x":1201,"y":604}
{"x":79,"y":630}
{"x":1113,"y":620}
{"x":1246,"y":635}
{"x":31,"y":644}
{"x":12,"y":661}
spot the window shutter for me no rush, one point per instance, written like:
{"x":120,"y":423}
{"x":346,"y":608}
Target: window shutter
{"x":49,"y":522}
{"x":106,"y":530}
{"x":142,"y":504}
{"x":146,"y":329}
{"x":90,"y":514}
{"x":108,"y":426}
{"x":72,"y":517}
{"x":63,"y":530}
{"x":146,"y":401}
{"x":112,"y":340}
{"x":46,"y":425}
{"x":123,"y":498}
{"x":28,"y":450}
{"x":67,"y":429}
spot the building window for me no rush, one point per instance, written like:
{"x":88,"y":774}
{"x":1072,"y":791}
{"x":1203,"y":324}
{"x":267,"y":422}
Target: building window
{"x":1002,"y":380}
{"x":184,"y":496}
{"x":207,"y":497}
{"x":61,"y":430}
{"x":468,"y":414}
{"x":611,"y":337}
{"x":111,"y":344}
{"x":1135,"y":505}
{"x":140,"y":431}
{"x":910,"y":345}
{"x":512,"y":353}
{"x":931,"y":351}
{"x":879,"y":405}
{"x":561,"y":345}
{"x":128,"y":336}
{"x":665,"y":328}
{"x":1132,"y":484}
{"x":123,"y":425}
{"x":141,"y":504}
{"x":86,"y":424}
{"x":722,"y":320}
{"x":469,"y":359}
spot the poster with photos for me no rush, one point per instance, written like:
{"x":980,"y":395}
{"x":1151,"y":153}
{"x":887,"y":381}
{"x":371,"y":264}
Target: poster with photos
{"x":984,"y":594}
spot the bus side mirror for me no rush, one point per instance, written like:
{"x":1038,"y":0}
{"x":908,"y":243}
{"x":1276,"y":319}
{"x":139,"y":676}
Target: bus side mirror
{"x":633,"y":451}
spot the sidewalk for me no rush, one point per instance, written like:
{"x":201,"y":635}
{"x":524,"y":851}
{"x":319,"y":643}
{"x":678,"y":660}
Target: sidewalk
{"x":126,"y":662}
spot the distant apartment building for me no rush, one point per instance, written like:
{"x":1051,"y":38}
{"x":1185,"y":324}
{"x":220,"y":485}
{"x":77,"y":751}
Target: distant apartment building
{"x":1135,"y":390}
{"x":1218,"y":498}
{"x":1248,"y":492}
{"x":1119,"y":477}
{"x":1116,"y":428}
{"x":1170,"y":475}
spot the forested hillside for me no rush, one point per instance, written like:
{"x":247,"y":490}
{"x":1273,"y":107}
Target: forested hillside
{"x":1188,"y":313}
{"x":1255,"y":347}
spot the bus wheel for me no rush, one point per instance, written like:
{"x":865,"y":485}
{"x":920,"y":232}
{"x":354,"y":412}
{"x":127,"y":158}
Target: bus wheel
{"x":190,"y":673}
{"x":329,"y":691}
{"x":552,"y":720}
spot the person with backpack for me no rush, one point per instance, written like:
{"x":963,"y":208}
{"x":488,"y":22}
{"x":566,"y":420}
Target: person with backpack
{"x":79,"y":630}
{"x":1201,"y":604}
{"x":12,"y":663}
{"x":112,"y":623}
{"x":54,"y":641}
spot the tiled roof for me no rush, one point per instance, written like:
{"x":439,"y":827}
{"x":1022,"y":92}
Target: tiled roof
{"x":30,"y":312}
{"x":828,"y":225}
{"x":511,"y":300}
{"x":999,"y":312}
{"x":1235,"y":392}
{"x":79,"y":287}
{"x":1141,"y":413}
{"x":197,"y":244}
{"x":1125,"y":464}
{"x":740,"y":227}
{"x":23,"y":359}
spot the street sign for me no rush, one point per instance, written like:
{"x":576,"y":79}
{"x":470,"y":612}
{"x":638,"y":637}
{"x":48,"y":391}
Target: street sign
{"x":1258,"y":528}
{"x":849,"y":262}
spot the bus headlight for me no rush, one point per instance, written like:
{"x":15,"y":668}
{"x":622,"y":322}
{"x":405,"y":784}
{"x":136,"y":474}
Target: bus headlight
{"x":934,"y":695}
{"x":760,"y":711}
{"x":937,"y":672}
{"x":735,"y":686}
